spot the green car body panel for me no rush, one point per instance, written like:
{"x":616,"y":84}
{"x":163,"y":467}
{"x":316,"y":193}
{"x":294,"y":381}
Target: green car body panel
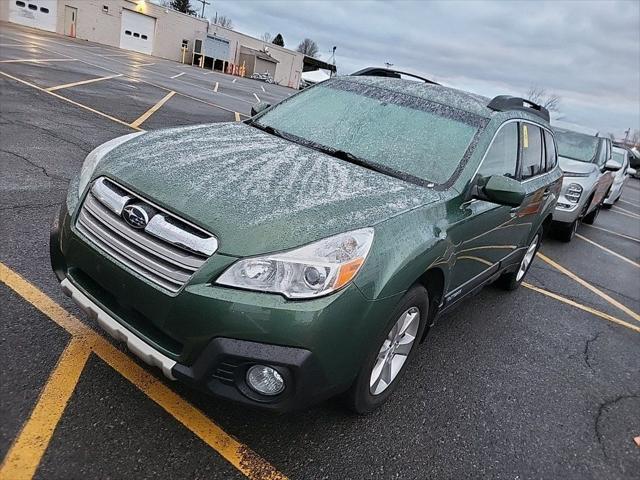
{"x":257,"y":194}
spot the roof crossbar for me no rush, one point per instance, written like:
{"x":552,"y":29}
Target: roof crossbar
{"x":503,"y":103}
{"x":386,"y":72}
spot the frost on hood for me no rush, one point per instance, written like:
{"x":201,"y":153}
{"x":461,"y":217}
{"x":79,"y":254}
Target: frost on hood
{"x":219,"y":173}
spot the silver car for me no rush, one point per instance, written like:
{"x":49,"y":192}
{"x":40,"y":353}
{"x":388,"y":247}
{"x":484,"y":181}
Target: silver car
{"x":586,"y":163}
{"x":620,"y":156}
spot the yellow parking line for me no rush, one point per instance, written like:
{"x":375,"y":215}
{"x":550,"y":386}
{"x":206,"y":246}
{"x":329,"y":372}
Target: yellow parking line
{"x":236,"y":453}
{"x":102,"y":67}
{"x":69,"y":101}
{"x":83,"y":82}
{"x":39,"y":60}
{"x":628,"y":237}
{"x":635,"y":264}
{"x":629,"y":203}
{"x":237,"y":114}
{"x":615,"y":208}
{"x":568,"y":301}
{"x":140,"y":120}
{"x":588,"y":286}
{"x":192,"y":418}
{"x":23,"y":458}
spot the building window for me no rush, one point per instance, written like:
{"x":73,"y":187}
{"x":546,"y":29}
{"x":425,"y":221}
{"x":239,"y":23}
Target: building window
{"x":144,"y":37}
{"x":44,"y":9}
{"x":21,"y":4}
{"x":105,"y":8}
{"x":136,"y":35}
{"x":32,"y":7}
{"x":127,"y":32}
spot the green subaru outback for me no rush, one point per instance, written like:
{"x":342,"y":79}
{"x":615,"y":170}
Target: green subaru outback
{"x":305,"y":252}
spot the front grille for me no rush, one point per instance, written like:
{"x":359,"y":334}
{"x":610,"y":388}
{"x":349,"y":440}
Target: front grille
{"x":167,"y":251}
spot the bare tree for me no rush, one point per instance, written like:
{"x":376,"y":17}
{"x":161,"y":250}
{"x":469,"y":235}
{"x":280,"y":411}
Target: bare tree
{"x":635,"y":137}
{"x":539,"y":95}
{"x":611,"y":136}
{"x":223,"y":21}
{"x":308,"y":47}
{"x":266,"y":37}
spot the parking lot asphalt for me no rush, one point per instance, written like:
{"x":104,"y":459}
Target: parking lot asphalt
{"x":543,"y":382}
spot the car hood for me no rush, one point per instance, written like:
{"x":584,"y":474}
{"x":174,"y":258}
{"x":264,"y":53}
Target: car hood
{"x":256,"y":192}
{"x":576,"y":166}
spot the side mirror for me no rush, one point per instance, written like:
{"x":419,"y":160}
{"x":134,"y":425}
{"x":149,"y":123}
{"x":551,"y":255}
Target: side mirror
{"x":499,"y":189}
{"x":631,"y":171}
{"x":612,"y":166}
{"x":259,"y":107}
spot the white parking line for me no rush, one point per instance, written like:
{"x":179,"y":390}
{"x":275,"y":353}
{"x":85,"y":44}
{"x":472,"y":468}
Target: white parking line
{"x":39,"y":60}
{"x":178,"y":75}
{"x":628,"y":237}
{"x":615,"y":208}
{"x":215,"y":89}
{"x":630,"y":203}
{"x":257,"y":97}
{"x":234,"y":80}
{"x":262,"y":88}
{"x":635,"y":264}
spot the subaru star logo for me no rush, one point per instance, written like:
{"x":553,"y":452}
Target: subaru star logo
{"x":135,"y":216}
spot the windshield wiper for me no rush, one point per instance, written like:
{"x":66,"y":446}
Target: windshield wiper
{"x":269,"y":129}
{"x":351,"y":158}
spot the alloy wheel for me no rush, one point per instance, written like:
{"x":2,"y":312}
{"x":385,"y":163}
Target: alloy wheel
{"x":394,"y":351}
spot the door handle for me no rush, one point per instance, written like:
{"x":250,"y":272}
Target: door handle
{"x":546,"y":194}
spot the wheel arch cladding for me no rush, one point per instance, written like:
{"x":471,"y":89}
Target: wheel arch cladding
{"x":433,"y":281}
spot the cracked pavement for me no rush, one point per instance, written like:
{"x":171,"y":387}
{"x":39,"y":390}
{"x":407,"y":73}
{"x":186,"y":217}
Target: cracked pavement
{"x":506,"y":386}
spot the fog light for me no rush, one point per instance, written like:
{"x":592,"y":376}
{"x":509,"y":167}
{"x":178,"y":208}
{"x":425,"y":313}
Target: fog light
{"x":265,"y":380}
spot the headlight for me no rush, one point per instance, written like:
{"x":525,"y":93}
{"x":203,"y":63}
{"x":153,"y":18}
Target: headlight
{"x":316,"y":269}
{"x":94,"y":157}
{"x":573,"y":193}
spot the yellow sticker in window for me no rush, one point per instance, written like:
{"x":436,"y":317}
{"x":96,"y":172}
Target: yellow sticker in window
{"x":525,"y":137}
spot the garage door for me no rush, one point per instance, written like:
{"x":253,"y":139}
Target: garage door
{"x":137,"y":32}
{"x":34,"y":13}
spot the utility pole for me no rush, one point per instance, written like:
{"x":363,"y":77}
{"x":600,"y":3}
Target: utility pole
{"x":204,"y":3}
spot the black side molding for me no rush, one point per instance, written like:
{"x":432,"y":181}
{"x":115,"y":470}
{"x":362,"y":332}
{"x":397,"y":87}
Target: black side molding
{"x":503,"y":103}
{"x":386,"y":72}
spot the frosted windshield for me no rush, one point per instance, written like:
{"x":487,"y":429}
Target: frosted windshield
{"x":406,"y":134}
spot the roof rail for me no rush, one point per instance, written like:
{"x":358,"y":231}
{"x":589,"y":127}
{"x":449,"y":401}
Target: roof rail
{"x":386,"y":72}
{"x":502,"y":103}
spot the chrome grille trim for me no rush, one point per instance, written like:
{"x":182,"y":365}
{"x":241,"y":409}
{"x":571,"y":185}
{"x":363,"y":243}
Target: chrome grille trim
{"x":166,"y":256}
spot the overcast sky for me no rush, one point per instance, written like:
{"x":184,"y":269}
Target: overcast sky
{"x":586,"y":52}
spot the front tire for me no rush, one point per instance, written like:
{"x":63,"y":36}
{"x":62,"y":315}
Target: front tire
{"x":388,"y":358}
{"x":589,"y":219}
{"x":512,"y":280}
{"x":565,"y":233}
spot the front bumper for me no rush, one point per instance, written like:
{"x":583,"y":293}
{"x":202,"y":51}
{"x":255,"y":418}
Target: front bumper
{"x":208,"y":336}
{"x":567,"y":211}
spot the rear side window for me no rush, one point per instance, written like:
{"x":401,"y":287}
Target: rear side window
{"x":552,"y":157}
{"x":531,"y":147}
{"x":502,"y":156}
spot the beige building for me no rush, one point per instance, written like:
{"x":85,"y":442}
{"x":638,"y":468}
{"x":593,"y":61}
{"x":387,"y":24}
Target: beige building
{"x":148,"y":28}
